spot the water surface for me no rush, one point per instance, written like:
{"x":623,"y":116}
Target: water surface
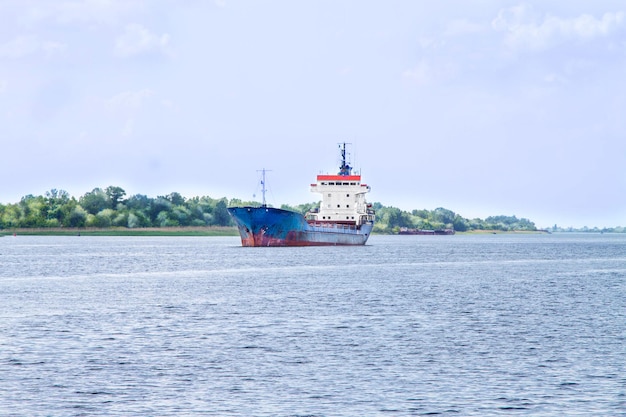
{"x":407,"y":325}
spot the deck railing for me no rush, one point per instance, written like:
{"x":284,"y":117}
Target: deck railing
{"x":336,"y":227}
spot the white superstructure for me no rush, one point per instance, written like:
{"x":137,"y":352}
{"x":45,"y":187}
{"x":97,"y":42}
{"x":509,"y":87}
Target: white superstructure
{"x":343,"y":198}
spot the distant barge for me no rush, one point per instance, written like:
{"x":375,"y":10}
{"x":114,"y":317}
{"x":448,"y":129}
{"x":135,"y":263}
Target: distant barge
{"x":407,"y":231}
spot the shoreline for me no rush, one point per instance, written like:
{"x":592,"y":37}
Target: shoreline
{"x":503,"y":232}
{"x":123,"y":231}
{"x":177,"y":231}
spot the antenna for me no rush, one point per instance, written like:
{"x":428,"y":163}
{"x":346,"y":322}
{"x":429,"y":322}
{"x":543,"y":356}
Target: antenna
{"x":344,"y":169}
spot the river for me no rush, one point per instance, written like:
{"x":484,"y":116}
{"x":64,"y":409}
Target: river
{"x":464,"y":325}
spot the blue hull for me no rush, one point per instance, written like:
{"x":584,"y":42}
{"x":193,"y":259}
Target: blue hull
{"x":267,"y":226}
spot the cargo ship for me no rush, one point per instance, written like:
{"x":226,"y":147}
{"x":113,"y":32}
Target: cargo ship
{"x":342,"y":218}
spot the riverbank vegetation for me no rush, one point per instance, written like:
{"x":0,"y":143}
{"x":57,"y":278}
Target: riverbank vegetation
{"x":110,"y":211}
{"x":390,"y":220}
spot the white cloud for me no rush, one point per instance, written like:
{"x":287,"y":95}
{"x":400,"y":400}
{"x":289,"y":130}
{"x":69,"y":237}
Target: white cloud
{"x":32,"y":12}
{"x":128,"y":128}
{"x":136,"y":40}
{"x":94,"y":10}
{"x":127,"y":106}
{"x":345,"y":71}
{"x":554,"y":78}
{"x":524,"y":29}
{"x":431,"y":43}
{"x":459,"y":27}
{"x":429,"y":72}
{"x":513,"y":17}
{"x":53,"y":48}
{"x":168,"y":104}
{"x":129,"y":100}
{"x":26,"y":45}
{"x":420,"y":74}
{"x":19,"y":47}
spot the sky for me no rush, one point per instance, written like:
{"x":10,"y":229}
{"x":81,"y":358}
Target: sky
{"x":483,"y":107}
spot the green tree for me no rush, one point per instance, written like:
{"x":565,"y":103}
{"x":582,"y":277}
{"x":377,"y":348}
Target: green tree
{"x":221,"y":217}
{"x":424,"y":214}
{"x":133,"y":221}
{"x":460,"y":224}
{"x":78,"y":217}
{"x":397,"y":218}
{"x":175,"y":198}
{"x":138,"y":218}
{"x":443,"y":216}
{"x":121,"y":219}
{"x":66,"y":211}
{"x":114,"y":194}
{"x":33,"y":211}
{"x":55,"y":200}
{"x":181,"y":215}
{"x":157,"y":206}
{"x":301,"y":208}
{"x":105,"y":217}
{"x":11,"y":216}
{"x":95,"y":201}
{"x":163,"y":220}
{"x":138,"y":202}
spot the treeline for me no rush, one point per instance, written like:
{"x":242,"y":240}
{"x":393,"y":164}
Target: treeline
{"x":110,"y":207}
{"x":391,"y":220}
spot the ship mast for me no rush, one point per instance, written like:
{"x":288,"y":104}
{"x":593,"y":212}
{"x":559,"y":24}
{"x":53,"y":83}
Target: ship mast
{"x":263,"y":189}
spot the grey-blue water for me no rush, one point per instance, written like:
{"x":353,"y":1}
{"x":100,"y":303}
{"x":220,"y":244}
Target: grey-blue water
{"x":407,"y":325}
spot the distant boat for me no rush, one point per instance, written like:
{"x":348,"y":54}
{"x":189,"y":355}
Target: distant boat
{"x":342,"y":218}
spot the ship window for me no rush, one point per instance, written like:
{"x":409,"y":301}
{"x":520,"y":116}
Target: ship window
{"x":347,"y":217}
{"x":347,"y":205}
{"x":352,"y":217}
{"x":347,"y":195}
{"x":346,"y":183}
{"x":329,"y":194}
{"x":338,"y":205}
{"x":331,"y":183}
